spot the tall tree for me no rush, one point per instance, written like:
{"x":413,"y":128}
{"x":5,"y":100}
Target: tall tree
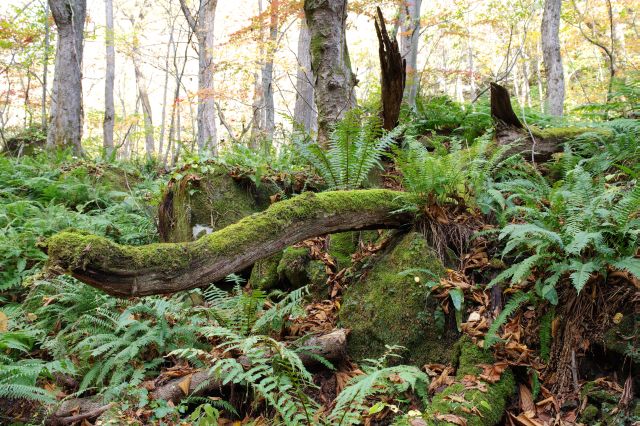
{"x":203,"y":25}
{"x":109,"y":110}
{"x":267,"y":71}
{"x":551,"y":56}
{"x":65,"y":128}
{"x":330,"y":63}
{"x":409,"y":40}
{"x":304,"y":113}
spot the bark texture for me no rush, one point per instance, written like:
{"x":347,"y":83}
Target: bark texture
{"x":203,"y":25}
{"x":392,"y":74}
{"x":65,"y":125}
{"x":171,"y":267}
{"x":331,"y":66}
{"x":110,"y":75}
{"x":304,"y":113}
{"x":551,"y":56}
{"x":409,"y":40}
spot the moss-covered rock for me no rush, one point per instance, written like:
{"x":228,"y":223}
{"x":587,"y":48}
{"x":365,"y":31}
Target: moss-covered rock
{"x":296,"y":269}
{"x":385,"y":308}
{"x":264,"y":274}
{"x":490,"y":403}
{"x":198,"y":204}
{"x":567,"y":133}
{"x":627,"y":333}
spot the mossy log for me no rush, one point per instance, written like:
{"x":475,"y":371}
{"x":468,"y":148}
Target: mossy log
{"x":164,"y":268}
{"x":532,"y":143}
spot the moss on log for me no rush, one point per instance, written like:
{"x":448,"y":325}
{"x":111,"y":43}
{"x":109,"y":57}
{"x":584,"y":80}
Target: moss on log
{"x":171,"y":267}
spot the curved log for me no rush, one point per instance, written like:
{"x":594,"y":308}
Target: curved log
{"x":163,"y":268}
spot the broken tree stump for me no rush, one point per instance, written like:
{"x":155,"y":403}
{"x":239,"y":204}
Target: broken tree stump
{"x":393,"y":74}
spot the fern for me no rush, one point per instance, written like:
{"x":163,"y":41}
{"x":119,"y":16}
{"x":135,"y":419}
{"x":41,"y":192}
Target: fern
{"x":354,"y":150}
{"x":516,"y":301}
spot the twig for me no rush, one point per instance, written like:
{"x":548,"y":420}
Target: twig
{"x":88,"y":415}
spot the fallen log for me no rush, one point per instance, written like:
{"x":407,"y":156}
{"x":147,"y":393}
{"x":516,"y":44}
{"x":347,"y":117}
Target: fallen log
{"x":331,"y":346}
{"x":535,"y":144}
{"x":164,"y":268}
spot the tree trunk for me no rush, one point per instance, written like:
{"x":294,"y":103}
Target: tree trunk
{"x":65,"y":128}
{"x":304,"y":113}
{"x":149,"y":143}
{"x":109,"y":110}
{"x":331,"y":66}
{"x":203,"y":26}
{"x":552,"y":58}
{"x":409,"y":40}
{"x":45,"y":61}
{"x":392,"y":74}
{"x":267,"y":75}
{"x":171,"y":267}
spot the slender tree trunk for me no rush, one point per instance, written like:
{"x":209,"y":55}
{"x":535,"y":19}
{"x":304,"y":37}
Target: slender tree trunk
{"x":267,"y":73}
{"x":45,"y":71}
{"x":472,"y":67}
{"x":203,"y":26}
{"x":409,"y":40}
{"x":331,"y":66}
{"x":304,"y":113}
{"x":65,"y":129}
{"x":109,"y":110}
{"x":552,"y":58}
{"x":149,"y":144}
{"x":165,"y":91}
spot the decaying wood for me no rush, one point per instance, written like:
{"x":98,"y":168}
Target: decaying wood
{"x":331,"y":346}
{"x":510,"y":131}
{"x":393,"y":74}
{"x":171,"y":267}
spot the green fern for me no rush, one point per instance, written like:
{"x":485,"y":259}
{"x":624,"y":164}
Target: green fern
{"x":355,"y":148}
{"x":516,"y":301}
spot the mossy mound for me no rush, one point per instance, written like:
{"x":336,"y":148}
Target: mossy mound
{"x":490,"y":403}
{"x":567,"y":133}
{"x":344,"y":244}
{"x":199,"y":204}
{"x":264,"y":274}
{"x":385,"y":308}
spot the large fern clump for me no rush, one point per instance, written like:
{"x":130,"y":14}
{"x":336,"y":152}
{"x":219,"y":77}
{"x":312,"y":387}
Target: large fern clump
{"x":355,"y":147}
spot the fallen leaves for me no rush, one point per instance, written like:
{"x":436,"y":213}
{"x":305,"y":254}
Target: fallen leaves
{"x":492,"y":372}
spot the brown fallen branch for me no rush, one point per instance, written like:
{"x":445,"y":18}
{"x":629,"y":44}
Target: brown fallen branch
{"x":171,"y":267}
{"x":331,"y":346}
{"x":393,"y":74}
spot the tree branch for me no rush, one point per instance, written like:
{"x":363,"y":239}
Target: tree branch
{"x":171,"y":267}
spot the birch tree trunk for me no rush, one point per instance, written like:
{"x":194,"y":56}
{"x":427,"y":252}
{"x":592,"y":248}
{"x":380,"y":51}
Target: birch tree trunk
{"x":109,"y":110}
{"x":45,"y":71}
{"x":331,"y":66}
{"x":65,"y":124}
{"x":267,"y":73}
{"x":551,"y":56}
{"x":304,"y":113}
{"x":409,"y":40}
{"x":203,"y":26}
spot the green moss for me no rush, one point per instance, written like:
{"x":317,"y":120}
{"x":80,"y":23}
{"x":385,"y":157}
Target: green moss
{"x":491,"y":403}
{"x":293,"y":266}
{"x":342,"y":246}
{"x":71,"y":250}
{"x":618,"y":337}
{"x":385,"y":308}
{"x":215,"y":200}
{"x":264,"y":274}
{"x":589,"y":414}
{"x":566,"y":133}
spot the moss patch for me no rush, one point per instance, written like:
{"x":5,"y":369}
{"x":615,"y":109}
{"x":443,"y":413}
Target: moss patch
{"x":213,"y":200}
{"x":264,"y":274}
{"x":384,"y":308}
{"x":566,"y":133}
{"x":491,"y":403}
